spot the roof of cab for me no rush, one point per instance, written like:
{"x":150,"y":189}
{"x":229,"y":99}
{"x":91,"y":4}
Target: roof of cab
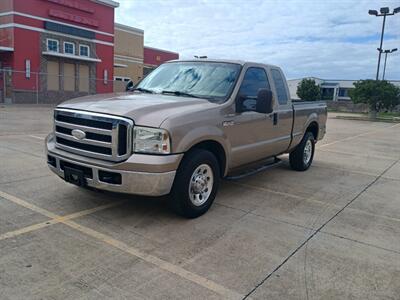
{"x":228,"y":61}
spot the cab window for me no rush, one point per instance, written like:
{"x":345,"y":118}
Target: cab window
{"x":254,"y":79}
{"x":280,"y":86}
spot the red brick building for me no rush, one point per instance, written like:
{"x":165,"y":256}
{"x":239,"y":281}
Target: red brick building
{"x":55,"y":49}
{"x":154,"y":57}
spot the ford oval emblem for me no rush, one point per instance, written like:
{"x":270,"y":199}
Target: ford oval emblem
{"x":78,"y":134}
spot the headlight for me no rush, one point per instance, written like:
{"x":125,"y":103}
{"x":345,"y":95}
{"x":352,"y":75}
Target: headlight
{"x":151,"y":140}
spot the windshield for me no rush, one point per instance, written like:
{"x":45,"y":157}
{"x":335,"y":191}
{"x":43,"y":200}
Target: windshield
{"x":210,"y":80}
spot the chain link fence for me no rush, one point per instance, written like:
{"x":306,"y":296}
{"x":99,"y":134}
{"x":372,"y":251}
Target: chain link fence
{"x":51,"y":88}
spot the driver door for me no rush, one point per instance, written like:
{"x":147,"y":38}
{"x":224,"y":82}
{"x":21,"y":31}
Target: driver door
{"x":251,"y":133}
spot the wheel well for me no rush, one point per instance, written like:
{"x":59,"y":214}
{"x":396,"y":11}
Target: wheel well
{"x":216,"y":149}
{"x":313,"y":128}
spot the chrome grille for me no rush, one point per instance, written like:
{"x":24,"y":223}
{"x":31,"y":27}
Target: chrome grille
{"x":103,"y":136}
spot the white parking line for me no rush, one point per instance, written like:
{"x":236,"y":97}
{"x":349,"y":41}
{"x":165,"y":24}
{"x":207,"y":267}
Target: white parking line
{"x":49,"y":222}
{"x":226,"y":293}
{"x":355,"y":136}
{"x":27,"y":229}
{"x":37,"y":137}
{"x":359,"y":154}
{"x":160,"y":263}
{"x":263,"y":189}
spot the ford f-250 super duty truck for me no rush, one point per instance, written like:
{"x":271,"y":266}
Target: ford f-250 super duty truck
{"x":182,"y":129}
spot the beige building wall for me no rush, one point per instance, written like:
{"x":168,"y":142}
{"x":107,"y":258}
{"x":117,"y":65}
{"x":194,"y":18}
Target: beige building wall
{"x":128,"y":43}
{"x":128,"y":56}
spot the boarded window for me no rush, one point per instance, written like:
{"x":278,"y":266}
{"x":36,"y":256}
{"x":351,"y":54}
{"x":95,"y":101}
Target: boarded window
{"x":53,"y":78}
{"x":84,"y":78}
{"x":69,"y":77}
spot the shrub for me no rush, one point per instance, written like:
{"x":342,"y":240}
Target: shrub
{"x":377,"y":94}
{"x":308,"y":90}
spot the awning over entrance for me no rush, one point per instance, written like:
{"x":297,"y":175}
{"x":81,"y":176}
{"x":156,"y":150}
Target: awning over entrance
{"x":77,"y":57}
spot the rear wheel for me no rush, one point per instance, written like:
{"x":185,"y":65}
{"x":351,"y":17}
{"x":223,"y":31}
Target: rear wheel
{"x":196,"y":184}
{"x":302,"y":156}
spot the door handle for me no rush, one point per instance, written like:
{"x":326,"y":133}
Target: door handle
{"x":275,"y":118}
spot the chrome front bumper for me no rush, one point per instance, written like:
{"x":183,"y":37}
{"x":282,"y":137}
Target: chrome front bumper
{"x":132,"y":182}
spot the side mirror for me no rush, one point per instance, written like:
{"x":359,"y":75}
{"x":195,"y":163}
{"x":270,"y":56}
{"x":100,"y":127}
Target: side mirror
{"x":129,"y":86}
{"x":265,"y":103}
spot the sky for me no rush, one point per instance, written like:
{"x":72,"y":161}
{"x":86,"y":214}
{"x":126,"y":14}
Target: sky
{"x":321,"y":38}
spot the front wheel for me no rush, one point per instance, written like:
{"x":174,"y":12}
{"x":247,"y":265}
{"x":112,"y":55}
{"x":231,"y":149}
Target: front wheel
{"x":196,"y":184}
{"x":302,"y":156}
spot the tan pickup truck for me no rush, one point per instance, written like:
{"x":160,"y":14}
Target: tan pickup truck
{"x":182,"y":129}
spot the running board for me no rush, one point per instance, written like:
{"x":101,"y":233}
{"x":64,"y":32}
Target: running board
{"x":253,"y":171}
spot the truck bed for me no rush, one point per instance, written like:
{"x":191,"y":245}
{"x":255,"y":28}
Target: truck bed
{"x":303,"y":112}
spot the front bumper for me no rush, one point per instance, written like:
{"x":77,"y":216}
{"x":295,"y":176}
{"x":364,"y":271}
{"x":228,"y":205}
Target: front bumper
{"x":139,"y":182}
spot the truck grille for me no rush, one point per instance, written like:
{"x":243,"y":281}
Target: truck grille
{"x":93,"y":134}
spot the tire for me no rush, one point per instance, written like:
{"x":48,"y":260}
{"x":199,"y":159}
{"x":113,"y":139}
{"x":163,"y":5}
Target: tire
{"x":299,"y":160}
{"x":196,"y":184}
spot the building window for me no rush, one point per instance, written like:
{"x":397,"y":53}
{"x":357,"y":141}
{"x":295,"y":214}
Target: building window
{"x":147,"y":70}
{"x":84,"y":50}
{"x":344,"y":92}
{"x":124,"y":79}
{"x":69,"y":48}
{"x":327,"y":93}
{"x":52,"y":45}
{"x":27,"y":68}
{"x":105,"y":76}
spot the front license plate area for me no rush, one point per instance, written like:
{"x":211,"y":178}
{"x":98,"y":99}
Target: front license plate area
{"x":74,"y":176}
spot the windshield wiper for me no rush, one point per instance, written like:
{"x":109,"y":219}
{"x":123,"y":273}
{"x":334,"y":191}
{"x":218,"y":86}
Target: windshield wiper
{"x":143,"y":90}
{"x":179,"y":93}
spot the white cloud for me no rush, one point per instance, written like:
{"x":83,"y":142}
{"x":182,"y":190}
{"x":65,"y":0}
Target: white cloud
{"x":325,"y":38}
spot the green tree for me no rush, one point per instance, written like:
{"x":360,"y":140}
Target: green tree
{"x":377,"y":94}
{"x":308,"y":90}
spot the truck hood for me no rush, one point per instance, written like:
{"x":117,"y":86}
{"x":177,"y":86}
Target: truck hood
{"x":145,"y":109}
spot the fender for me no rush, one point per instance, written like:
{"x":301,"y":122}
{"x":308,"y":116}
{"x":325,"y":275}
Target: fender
{"x":203,"y":134}
{"x":311,"y":118}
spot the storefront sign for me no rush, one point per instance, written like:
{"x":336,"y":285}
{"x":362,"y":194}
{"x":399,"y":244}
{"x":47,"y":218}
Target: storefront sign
{"x":69,"y":30}
{"x":73,"y":18}
{"x":73,"y":4}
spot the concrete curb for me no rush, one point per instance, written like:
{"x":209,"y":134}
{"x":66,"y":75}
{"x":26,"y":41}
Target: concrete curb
{"x":368,"y":119}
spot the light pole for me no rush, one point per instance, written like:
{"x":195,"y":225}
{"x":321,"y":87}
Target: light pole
{"x":384,"y":66}
{"x":384,"y":11}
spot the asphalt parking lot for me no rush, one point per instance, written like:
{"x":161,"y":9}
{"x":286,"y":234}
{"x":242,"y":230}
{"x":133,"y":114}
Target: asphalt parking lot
{"x":332,"y":232}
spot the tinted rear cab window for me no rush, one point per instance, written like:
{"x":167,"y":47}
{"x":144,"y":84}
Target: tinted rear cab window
{"x":280,"y":86}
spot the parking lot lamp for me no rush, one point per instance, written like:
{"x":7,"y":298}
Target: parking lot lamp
{"x":384,"y":66}
{"x":384,"y":11}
